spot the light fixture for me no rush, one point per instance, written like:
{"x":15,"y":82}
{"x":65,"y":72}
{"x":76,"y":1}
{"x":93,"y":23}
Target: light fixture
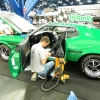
{"x":64,"y":4}
{"x":3,"y":4}
{"x":71,"y":3}
{"x":89,"y":1}
{"x":50,"y":5}
{"x":77,"y":0}
{"x":60,"y":2}
{"x":44,"y":3}
{"x":80,"y":3}
{"x":98,"y":1}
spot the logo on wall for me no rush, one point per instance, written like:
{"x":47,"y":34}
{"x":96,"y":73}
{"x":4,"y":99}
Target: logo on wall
{"x":69,"y":15}
{"x":75,"y":17}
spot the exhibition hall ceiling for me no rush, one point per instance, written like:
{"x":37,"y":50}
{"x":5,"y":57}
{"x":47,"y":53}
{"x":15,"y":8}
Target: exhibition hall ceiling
{"x":55,"y":3}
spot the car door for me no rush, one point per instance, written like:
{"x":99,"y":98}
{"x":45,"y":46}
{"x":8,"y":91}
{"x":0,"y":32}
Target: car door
{"x":18,"y":57}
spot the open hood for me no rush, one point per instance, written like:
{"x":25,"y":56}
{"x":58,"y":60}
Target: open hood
{"x":18,"y":23}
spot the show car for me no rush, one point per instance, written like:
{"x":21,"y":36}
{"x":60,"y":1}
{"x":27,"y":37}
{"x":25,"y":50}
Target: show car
{"x":20,"y":28}
{"x":80,"y":43}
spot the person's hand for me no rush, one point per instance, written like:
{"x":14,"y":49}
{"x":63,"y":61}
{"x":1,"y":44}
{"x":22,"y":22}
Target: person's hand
{"x":48,"y":54}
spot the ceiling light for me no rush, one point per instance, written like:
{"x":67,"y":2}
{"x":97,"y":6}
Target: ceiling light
{"x":59,"y":1}
{"x":64,"y":4}
{"x":98,"y":1}
{"x":44,"y":3}
{"x":77,"y":0}
{"x":80,"y":3}
{"x":71,"y":3}
{"x":89,"y":1}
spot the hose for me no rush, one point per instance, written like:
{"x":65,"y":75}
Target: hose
{"x":48,"y":89}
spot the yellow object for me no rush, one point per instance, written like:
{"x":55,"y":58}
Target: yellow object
{"x":64,"y":77}
{"x":59,"y":66}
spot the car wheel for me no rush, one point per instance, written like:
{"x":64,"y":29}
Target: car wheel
{"x":4,"y":52}
{"x":90,"y":66}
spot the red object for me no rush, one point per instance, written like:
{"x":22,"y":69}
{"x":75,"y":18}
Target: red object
{"x":24,"y":9}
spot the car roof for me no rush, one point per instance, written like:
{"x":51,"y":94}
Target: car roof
{"x":66,"y":24}
{"x":16,"y":22}
{"x":76,"y":25}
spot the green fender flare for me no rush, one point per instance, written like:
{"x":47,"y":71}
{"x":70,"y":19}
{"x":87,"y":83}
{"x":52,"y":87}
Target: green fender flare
{"x":5,"y":43}
{"x":88,"y":52}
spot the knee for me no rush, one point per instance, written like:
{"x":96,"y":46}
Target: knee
{"x":52,"y":63}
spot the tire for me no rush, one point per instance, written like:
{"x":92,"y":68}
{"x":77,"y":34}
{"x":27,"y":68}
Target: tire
{"x":90,"y":66}
{"x":4,"y":52}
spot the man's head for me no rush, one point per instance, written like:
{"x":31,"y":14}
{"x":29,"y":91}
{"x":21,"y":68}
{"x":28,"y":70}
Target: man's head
{"x":45,"y":41}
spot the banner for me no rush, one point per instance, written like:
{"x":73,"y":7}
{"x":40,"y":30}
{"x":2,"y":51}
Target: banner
{"x":78,"y":14}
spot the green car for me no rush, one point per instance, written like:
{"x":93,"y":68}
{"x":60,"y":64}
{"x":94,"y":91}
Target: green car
{"x":80,"y":43}
{"x":20,"y":28}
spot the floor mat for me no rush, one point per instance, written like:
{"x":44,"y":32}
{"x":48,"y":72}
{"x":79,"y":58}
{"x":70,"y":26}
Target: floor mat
{"x":83,"y":87}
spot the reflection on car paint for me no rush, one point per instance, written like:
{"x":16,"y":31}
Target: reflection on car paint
{"x":13,"y":61}
{"x":15,"y":67}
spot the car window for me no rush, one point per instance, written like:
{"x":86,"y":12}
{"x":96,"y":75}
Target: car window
{"x":47,"y":28}
{"x":72,"y":32}
{"x":60,"y":29}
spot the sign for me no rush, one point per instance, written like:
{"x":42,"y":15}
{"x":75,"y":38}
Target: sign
{"x":75,"y":17}
{"x":78,"y":14}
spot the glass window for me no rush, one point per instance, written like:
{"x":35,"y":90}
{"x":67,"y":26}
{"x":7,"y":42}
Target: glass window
{"x":72,"y":32}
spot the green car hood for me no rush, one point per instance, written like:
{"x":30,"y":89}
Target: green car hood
{"x":18,"y":23}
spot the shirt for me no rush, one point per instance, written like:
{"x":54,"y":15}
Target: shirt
{"x":37,"y":54}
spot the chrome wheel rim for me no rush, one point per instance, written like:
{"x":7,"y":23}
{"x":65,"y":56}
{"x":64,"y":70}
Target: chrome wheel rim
{"x":5,"y":52}
{"x":92,"y":68}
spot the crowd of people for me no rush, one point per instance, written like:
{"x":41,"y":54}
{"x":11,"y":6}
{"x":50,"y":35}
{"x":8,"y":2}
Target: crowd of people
{"x":43,"y":19}
{"x":5,"y":28}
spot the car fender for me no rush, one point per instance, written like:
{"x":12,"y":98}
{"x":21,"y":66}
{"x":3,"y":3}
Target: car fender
{"x":5,"y":43}
{"x":88,"y":52}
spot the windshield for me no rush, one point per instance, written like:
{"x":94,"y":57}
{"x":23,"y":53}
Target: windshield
{"x":53,"y":28}
{"x":47,"y":28}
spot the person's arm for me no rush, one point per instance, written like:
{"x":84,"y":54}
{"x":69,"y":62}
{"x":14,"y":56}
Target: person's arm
{"x":43,"y":61}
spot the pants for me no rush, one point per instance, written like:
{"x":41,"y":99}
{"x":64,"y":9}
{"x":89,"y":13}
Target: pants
{"x":48,"y":66}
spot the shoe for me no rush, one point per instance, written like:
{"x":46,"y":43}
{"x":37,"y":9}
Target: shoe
{"x":42,"y":76}
{"x":34,"y":77}
{"x":27,"y":69}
